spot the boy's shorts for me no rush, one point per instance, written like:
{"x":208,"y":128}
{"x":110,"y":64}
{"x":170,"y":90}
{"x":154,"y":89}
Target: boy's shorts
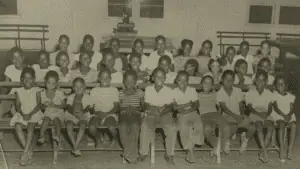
{"x":84,"y":117}
{"x":103,"y":121}
{"x":243,"y":124}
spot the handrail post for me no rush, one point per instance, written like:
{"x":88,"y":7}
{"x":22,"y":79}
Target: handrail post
{"x":19,"y":36}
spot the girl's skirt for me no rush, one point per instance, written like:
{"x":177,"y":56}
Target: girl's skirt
{"x":18,"y":118}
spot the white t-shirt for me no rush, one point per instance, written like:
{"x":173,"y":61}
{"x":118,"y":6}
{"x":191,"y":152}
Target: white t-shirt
{"x":249,"y":59}
{"x":154,"y":58}
{"x":233,"y":101}
{"x":154,"y":98}
{"x":41,"y":73}
{"x":284,"y":102}
{"x":181,"y":97}
{"x":13,"y":73}
{"x":96,"y":58}
{"x":271,"y":79}
{"x":248,"y":80}
{"x":103,"y":98}
{"x":260,"y":102}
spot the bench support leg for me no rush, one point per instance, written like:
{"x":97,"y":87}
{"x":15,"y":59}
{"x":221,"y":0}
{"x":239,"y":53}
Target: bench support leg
{"x":152,"y":152}
{"x":55,"y":148}
{"x":219,"y":147}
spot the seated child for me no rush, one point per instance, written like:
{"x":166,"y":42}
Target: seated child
{"x":191,"y":67}
{"x":135,"y":64}
{"x":241,"y":77}
{"x":62,"y":46}
{"x":186,"y":48}
{"x":244,"y":54}
{"x":284,"y":116}
{"x":43,"y":67}
{"x":160,"y":46}
{"x":189,"y":121}
{"x":138,"y":47}
{"x":265,"y":52}
{"x":84,"y":70}
{"x":259,"y":101}
{"x":28,"y":113}
{"x":210,"y":115}
{"x":87,"y":47}
{"x":64,"y":73}
{"x":158,"y":104}
{"x":53,"y":104}
{"x":12,"y":73}
{"x":78,"y":106}
{"x":204,"y":56}
{"x":265,"y":64}
{"x":106,"y":104}
{"x":214,"y":67}
{"x":231,"y":102}
{"x":165,"y":63}
{"x":228,"y":60}
{"x":121,"y":62}
{"x":131,"y":104}
{"x":108,"y":62}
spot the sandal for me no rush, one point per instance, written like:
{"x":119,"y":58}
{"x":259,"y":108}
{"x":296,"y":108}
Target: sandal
{"x":76,"y":153}
{"x":189,"y":159}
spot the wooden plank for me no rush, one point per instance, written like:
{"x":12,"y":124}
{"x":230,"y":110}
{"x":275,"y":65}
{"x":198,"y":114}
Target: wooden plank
{"x":16,"y":38}
{"x":23,"y":30}
{"x":288,"y":34}
{"x":23,"y":25}
{"x":254,"y":33}
{"x":245,"y":37}
{"x":233,"y":44}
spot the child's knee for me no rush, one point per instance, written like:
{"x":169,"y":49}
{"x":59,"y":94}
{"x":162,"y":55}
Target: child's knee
{"x":19,"y":127}
{"x":259,"y":127}
{"x":208,"y":128}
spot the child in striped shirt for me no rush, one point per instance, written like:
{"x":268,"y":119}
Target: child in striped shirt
{"x":131,"y":104}
{"x":106,"y":105}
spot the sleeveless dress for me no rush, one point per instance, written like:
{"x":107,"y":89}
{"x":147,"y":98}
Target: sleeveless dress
{"x":28,"y":102}
{"x":51,"y":112}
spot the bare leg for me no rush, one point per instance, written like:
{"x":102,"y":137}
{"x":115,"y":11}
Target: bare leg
{"x":270,"y":128}
{"x":57,"y":124}
{"x":30,"y":130}
{"x":93,"y":131}
{"x":69,"y":126}
{"x":20,"y":134}
{"x":44,"y":127}
{"x":291,"y":139}
{"x":82,"y":125}
{"x":259,"y":129}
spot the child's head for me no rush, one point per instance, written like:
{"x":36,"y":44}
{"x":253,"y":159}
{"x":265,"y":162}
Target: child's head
{"x":165,"y":62}
{"x":228,"y":78}
{"x":241,"y":67}
{"x":280,"y":84}
{"x":51,"y":79}
{"x":265,"y":47}
{"x":78,"y":86}
{"x":207,"y":83}
{"x":159,"y":76}
{"x":265,"y":64}
{"x":138,"y":46}
{"x":206,"y":48}
{"x":135,"y":60}
{"x":28,"y":77}
{"x":108,"y":59}
{"x":44,"y":59}
{"x":244,"y":48}
{"x":17,"y":57}
{"x":182,"y":79}
{"x":160,"y":43}
{"x":214,"y":65}
{"x":191,"y":67}
{"x":115,"y":45}
{"x":230,"y":52}
{"x":130,"y":79}
{"x":85,"y":59}
{"x":62,"y":59}
{"x":88,"y":43}
{"x":63,"y":42}
{"x":187,"y":46}
{"x":261,"y":79}
{"x":104,"y":77}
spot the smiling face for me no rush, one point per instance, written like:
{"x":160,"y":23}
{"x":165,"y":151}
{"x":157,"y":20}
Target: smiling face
{"x":79,"y":87}
{"x":63,"y":44}
{"x":130,"y":81}
{"x":230,"y":54}
{"x":182,"y":81}
{"x":228,"y":81}
{"x":138,"y":47}
{"x":207,"y":84}
{"x":63,"y":61}
{"x":242,"y":68}
{"x":159,"y":78}
{"x":85,"y":60}
{"x":28,"y":80}
{"x":280,"y":86}
{"x":135,"y":63}
{"x":161,"y":45}
{"x":44,"y":61}
{"x":104,"y":79}
{"x":244,"y":49}
{"x":206,"y":49}
{"x":265,"y":49}
{"x":187,"y":48}
{"x":190,"y":69}
{"x":265,"y":66}
{"x":215,"y":67}
{"x":88,"y":45}
{"x":108,"y":61}
{"x":164,"y":64}
{"x":17,"y":60}
{"x":260,"y":82}
{"x":51,"y":83}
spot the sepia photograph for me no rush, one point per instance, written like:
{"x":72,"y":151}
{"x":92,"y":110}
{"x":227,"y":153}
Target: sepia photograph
{"x":149,"y":84}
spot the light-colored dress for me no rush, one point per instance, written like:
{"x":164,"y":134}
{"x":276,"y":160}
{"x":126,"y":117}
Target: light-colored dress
{"x":179,"y":62}
{"x":41,"y":73}
{"x":58,"y":99}
{"x":28,"y":102}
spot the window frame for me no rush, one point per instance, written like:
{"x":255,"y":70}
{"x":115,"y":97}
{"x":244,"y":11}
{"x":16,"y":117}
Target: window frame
{"x":140,"y":7}
{"x":11,"y":16}
{"x":108,"y":3}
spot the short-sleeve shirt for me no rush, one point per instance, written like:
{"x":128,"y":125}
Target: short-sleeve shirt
{"x":203,"y":64}
{"x":96,"y":58}
{"x":117,"y":77}
{"x":233,"y":101}
{"x":103,"y":98}
{"x":28,"y":98}
{"x":247,"y":81}
{"x":144,"y":62}
{"x":271,"y":79}
{"x":260,"y":102}
{"x":284,"y":101}
{"x":41,"y":73}
{"x":208,"y":102}
{"x":64,"y":78}
{"x":13,"y":73}
{"x":249,"y":59}
{"x":133,"y":100}
{"x":181,"y":97}
{"x":154,"y":58}
{"x":86,"y":100}
{"x":154,"y":98}
{"x":91,"y":76}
